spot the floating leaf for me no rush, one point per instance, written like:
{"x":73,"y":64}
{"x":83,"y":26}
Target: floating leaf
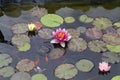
{"x":94,"y":33}
{"x":81,"y":29}
{"x":111,"y":38}
{"x":117,"y":24}
{"x":97,"y":46}
{"x":111,"y":57}
{"x":110,"y":30}
{"x":7,"y":71}
{"x":21,"y":76}
{"x":118,"y":31}
{"x":117,"y":77}
{"x":20,"y":28}
{"x":84,"y":65}
{"x":113,"y":48}
{"x":39,"y":77}
{"x":77,"y":44}
{"x":44,"y":49}
{"x":45,"y":33}
{"x":5,"y":59}
{"x":85,"y":19}
{"x":52,"y":20}
{"x":69,"y":19}
{"x":56,"y":53}
{"x":25,"y":65}
{"x":25,"y":47}
{"x":73,"y":33}
{"x":39,"y":12}
{"x":102,"y":23}
{"x":66,"y":71}
{"x":20,"y":40}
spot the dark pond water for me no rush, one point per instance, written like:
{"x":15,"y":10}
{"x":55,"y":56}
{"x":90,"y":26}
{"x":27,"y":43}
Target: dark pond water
{"x":20,"y":13}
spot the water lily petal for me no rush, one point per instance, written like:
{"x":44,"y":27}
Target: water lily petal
{"x":54,"y":41}
{"x":62,"y":44}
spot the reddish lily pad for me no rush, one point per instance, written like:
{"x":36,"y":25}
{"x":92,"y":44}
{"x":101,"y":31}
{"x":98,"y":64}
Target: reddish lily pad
{"x":21,"y":76}
{"x":20,"y":28}
{"x":66,"y":71}
{"x":102,"y":23}
{"x":97,"y":46}
{"x":73,"y":33}
{"x":56,"y":53}
{"x":45,"y":33}
{"x":77,"y":44}
{"x":25,"y":65}
{"x":94,"y":33}
{"x":5,"y":59}
{"x":111,"y":38}
{"x":20,"y":40}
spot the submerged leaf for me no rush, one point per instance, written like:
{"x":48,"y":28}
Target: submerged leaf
{"x":117,"y":77}
{"x":56,"y":53}
{"x":85,"y":19}
{"x":20,"y":28}
{"x":5,"y":59}
{"x":102,"y":23}
{"x":25,"y":47}
{"x":113,"y":48}
{"x":84,"y":65}
{"x":111,"y":57}
{"x":52,"y":20}
{"x":45,"y":33}
{"x":20,"y":40}
{"x":7,"y":71}
{"x":97,"y":46}
{"x":21,"y":76}
{"x":25,"y":65}
{"x":77,"y":44}
{"x":69,"y":19}
{"x":39,"y":77}
{"x":66,"y":71}
{"x":73,"y":33}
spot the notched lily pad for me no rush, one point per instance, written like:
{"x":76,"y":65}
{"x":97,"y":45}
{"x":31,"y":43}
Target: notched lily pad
{"x":20,"y":28}
{"x":102,"y":23}
{"x":113,"y":48}
{"x":45,"y":33}
{"x":66,"y":71}
{"x":84,"y":65}
{"x":5,"y":59}
{"x":117,"y":77}
{"x":56,"y":53}
{"x":69,"y":19}
{"x":73,"y":33}
{"x":111,"y":38}
{"x":20,"y":40}
{"x":25,"y":47}
{"x":39,"y":77}
{"x":94,"y":33}
{"x":7,"y":71}
{"x":111,"y":57}
{"x":97,"y":46}
{"x":77,"y":44}
{"x":21,"y":76}
{"x":81,"y":29}
{"x":25,"y":65}
{"x":85,"y":19}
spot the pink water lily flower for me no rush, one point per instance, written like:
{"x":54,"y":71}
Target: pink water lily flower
{"x":104,"y":67}
{"x":61,"y":36}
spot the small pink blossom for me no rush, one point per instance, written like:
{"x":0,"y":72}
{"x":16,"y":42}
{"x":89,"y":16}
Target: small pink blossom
{"x":61,"y":36}
{"x":104,"y":67}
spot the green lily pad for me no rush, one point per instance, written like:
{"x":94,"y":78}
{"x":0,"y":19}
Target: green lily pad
{"x":39,"y":77}
{"x":111,"y":57}
{"x":56,"y":53}
{"x":85,"y":19}
{"x":77,"y":44}
{"x":21,"y":76}
{"x":25,"y":65}
{"x":25,"y":47}
{"x":117,"y":24}
{"x":45,"y":33}
{"x":5,"y":59}
{"x":102,"y":23}
{"x":66,"y":71}
{"x":69,"y":19}
{"x":73,"y":33}
{"x":20,"y":40}
{"x":52,"y":20}
{"x":97,"y":46}
{"x":81,"y":29}
{"x":113,"y":48}
{"x":116,"y":77}
{"x":20,"y":28}
{"x":84,"y":65}
{"x":7,"y":71}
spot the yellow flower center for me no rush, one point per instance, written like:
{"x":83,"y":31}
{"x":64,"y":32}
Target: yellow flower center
{"x":60,"y":35}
